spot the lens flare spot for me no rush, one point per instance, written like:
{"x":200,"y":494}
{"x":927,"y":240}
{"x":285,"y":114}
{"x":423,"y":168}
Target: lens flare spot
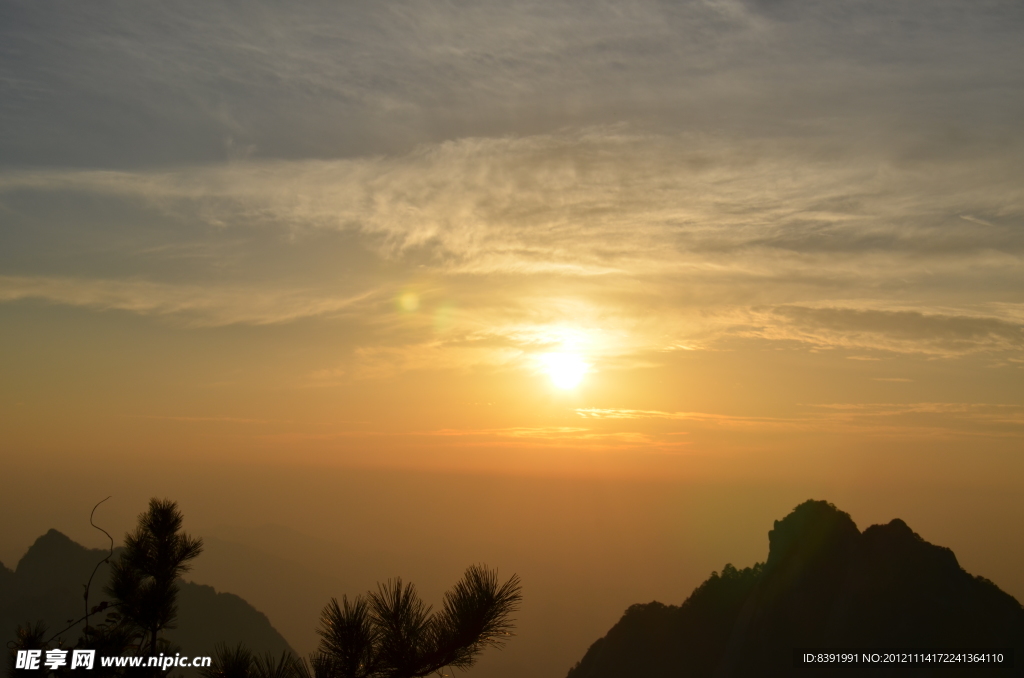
{"x":410,"y":301}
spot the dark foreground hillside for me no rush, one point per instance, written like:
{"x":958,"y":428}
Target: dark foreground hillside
{"x":825,"y":584}
{"x":48,"y":585}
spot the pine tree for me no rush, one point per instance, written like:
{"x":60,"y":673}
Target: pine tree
{"x":143,"y":581}
{"x":392,"y":634}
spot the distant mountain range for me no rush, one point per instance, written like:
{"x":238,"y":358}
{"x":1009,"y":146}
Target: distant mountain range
{"x":48,"y":585}
{"x":825,"y":584}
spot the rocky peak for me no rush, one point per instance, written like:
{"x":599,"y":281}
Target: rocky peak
{"x":812,"y":531}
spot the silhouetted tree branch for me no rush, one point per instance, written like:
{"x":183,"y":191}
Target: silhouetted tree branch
{"x":88,"y":584}
{"x":393,"y":634}
{"x":144,"y":579}
{"x":389,"y":633}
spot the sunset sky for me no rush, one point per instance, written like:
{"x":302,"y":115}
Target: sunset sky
{"x":773,"y":248}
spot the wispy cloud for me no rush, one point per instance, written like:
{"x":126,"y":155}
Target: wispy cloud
{"x":648,"y":240}
{"x":877,"y":418}
{"x":558,"y":436}
{"x":212,"y":82}
{"x":897,"y":331}
{"x":661,"y":176}
{"x":192,"y":304}
{"x":725,"y":420}
{"x":609,"y":201}
{"x":394,"y":193}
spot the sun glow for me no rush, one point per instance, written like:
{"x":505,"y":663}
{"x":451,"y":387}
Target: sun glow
{"x":566,"y":370}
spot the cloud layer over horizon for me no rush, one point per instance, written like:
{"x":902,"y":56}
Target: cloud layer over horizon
{"x":715,"y":239}
{"x":459,"y":187}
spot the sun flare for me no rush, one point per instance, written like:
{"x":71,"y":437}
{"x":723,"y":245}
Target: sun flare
{"x":566,"y":370}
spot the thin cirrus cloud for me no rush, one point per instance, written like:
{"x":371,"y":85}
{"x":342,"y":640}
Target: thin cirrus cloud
{"x":191,"y":305}
{"x":547,"y":197}
{"x":665,"y":174}
{"x":983,"y":419}
{"x":118,"y":84}
{"x":897,"y":331}
{"x":762,"y":240}
{"x":554,"y":436}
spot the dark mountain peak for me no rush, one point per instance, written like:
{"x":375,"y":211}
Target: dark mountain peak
{"x":825,"y":584}
{"x":53,"y":543}
{"x":899,"y":547}
{"x":52,"y":557}
{"x":894,"y":532}
{"x":50,"y":579}
{"x":897,"y":525}
{"x":812,"y":530}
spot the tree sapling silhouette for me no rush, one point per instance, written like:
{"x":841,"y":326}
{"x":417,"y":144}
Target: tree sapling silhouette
{"x":143,"y":585}
{"x":143,"y":581}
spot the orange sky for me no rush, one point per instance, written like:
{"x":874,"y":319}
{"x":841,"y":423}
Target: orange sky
{"x":723,"y":247}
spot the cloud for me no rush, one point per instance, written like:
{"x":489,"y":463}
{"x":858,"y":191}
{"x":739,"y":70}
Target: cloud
{"x":724,"y":420}
{"x":182,"y":82}
{"x":196,"y":306}
{"x":603,"y":201}
{"x":980,"y":418}
{"x":634,"y":182}
{"x":644,"y":240}
{"x":871,"y":418}
{"x":898,"y":331}
{"x":556,"y":436}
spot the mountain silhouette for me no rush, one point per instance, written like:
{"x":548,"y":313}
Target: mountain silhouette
{"x":825,"y":584}
{"x":48,"y":585}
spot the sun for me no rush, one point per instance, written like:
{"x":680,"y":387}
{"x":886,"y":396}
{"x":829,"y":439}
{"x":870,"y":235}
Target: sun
{"x":566,"y":370}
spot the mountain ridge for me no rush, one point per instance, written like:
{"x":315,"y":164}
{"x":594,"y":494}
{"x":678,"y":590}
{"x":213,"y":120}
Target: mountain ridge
{"x":824,"y":584}
{"x":48,"y":584}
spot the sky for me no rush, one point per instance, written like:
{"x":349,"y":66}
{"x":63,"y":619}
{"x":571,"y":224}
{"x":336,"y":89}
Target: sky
{"x":721,"y":253}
